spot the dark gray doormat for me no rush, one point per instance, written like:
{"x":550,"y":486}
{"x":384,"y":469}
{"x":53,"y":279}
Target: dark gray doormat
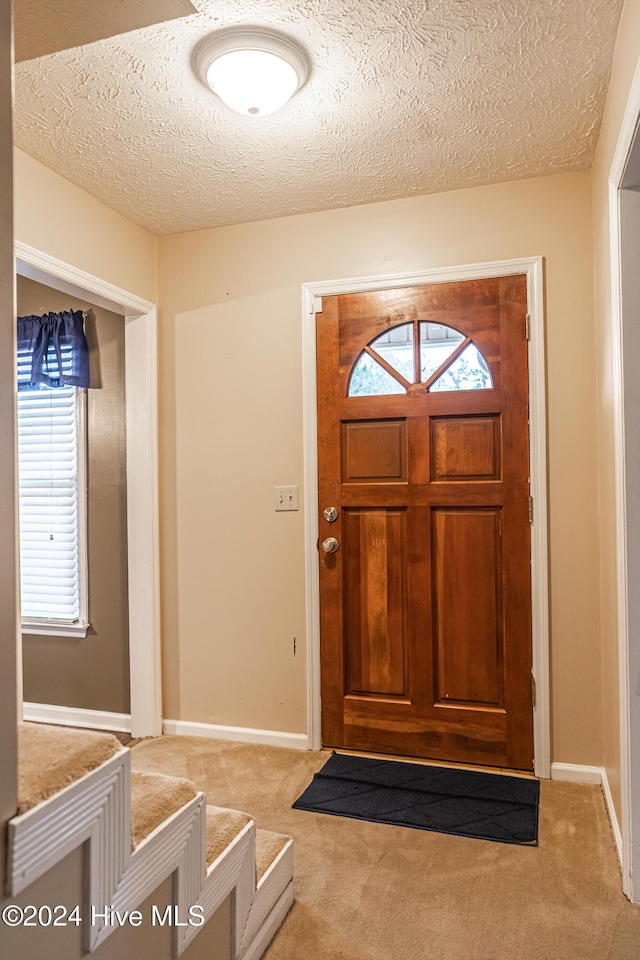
{"x":466,"y":803}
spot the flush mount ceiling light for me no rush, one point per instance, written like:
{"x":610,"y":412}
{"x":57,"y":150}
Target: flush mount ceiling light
{"x":253,"y":70}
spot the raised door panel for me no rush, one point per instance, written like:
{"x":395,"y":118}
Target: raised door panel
{"x":374,"y":451}
{"x":466,"y":448}
{"x":374,"y":546}
{"x":467,"y":604}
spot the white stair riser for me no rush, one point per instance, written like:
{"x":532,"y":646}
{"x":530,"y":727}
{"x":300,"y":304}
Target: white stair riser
{"x":97,"y":809}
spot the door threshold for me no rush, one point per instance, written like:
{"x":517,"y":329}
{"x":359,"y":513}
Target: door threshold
{"x":420,"y":761}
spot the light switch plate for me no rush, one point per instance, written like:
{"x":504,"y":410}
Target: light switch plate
{"x":286,"y":498}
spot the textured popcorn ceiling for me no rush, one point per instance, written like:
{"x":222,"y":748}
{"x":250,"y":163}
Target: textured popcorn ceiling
{"x":45,"y":26}
{"x":405,"y":97}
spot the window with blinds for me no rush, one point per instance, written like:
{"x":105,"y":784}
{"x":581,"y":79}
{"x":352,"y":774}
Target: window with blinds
{"x":51,"y":465}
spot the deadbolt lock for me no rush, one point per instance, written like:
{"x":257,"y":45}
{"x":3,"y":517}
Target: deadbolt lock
{"x":330,"y":514}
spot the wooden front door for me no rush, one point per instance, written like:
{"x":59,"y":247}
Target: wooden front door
{"x":424,"y":455}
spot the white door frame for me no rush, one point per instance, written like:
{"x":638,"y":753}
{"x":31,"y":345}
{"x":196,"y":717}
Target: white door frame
{"x":142,"y":474}
{"x":626,"y":412}
{"x":311,"y":303}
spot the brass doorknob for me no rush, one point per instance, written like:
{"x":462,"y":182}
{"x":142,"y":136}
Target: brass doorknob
{"x":330,"y":545}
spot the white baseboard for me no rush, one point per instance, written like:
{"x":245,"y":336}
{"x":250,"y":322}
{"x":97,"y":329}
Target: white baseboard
{"x":576,"y":773}
{"x":77,"y":717}
{"x":611,"y":810}
{"x":215,"y":731}
{"x":121,"y":723}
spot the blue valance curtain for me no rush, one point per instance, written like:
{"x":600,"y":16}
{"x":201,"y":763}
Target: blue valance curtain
{"x":52,"y":351}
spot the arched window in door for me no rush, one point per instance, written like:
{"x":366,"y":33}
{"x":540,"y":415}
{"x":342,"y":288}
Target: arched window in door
{"x":434,"y":355}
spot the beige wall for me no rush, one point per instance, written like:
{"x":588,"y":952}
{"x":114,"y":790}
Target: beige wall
{"x":231,"y":429}
{"x":625,"y":60}
{"x":93,"y":672}
{"x":60,"y":219}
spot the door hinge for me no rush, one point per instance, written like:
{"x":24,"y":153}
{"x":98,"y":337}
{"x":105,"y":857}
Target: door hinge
{"x":527,"y":327}
{"x":530,"y":509}
{"x":533,"y":690}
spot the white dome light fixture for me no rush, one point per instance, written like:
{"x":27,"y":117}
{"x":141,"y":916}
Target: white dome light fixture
{"x":255,"y":71}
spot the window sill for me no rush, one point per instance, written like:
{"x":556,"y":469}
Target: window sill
{"x":48,"y":628}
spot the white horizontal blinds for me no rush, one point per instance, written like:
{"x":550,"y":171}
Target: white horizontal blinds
{"x":48,"y":482}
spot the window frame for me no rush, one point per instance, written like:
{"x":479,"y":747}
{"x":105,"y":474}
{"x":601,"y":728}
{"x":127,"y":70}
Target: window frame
{"x":50,"y":626}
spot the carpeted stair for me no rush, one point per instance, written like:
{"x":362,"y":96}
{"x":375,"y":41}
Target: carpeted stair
{"x":51,"y":758}
{"x":140,"y":824}
{"x":224,"y":825}
{"x":268,"y":847}
{"x":154,"y":798}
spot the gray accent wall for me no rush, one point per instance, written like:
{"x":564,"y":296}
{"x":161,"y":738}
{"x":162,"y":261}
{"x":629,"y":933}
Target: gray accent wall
{"x":63,"y":885}
{"x":91,"y":673}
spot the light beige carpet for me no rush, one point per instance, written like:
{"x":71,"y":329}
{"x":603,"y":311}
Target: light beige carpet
{"x":51,"y":758}
{"x":154,"y":798}
{"x":222,"y":826}
{"x":369,"y":891}
{"x":268,"y":846}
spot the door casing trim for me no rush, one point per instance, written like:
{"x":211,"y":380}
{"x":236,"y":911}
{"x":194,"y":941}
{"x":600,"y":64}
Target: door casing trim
{"x":626,"y":502}
{"x":142,"y":470}
{"x":532,"y":268}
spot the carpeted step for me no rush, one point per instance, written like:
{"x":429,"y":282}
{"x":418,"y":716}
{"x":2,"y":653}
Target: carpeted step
{"x":222,"y":827}
{"x":154,"y":798}
{"x":268,"y":846}
{"x":52,"y":758}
